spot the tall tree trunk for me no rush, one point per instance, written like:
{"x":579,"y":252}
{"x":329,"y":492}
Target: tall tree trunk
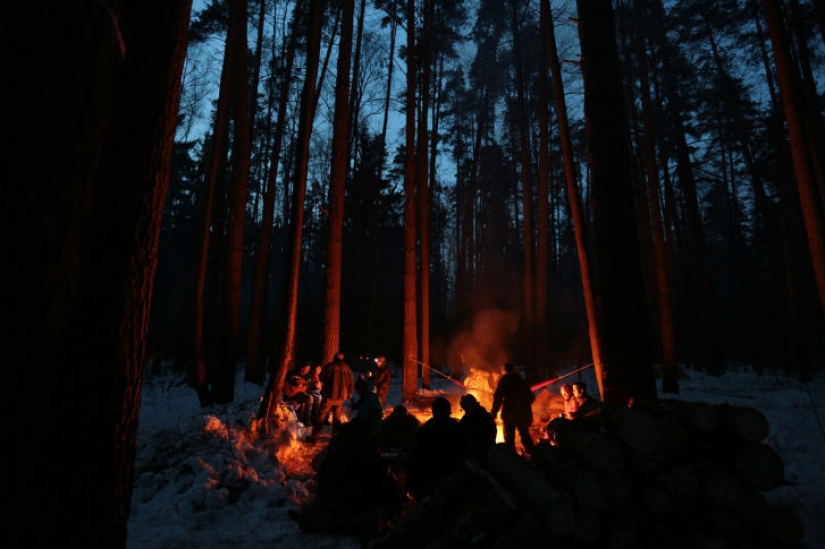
{"x":223,"y":389}
{"x":340,"y":139}
{"x":293,"y":268}
{"x":803,"y":147}
{"x":422,"y":190}
{"x":217,"y":160}
{"x":627,"y":373}
{"x":526,"y":196}
{"x":576,"y":207}
{"x":542,"y":208}
{"x":86,"y":232}
{"x":661,"y":248}
{"x":409,"y":384}
{"x":379,"y":172}
{"x":254,"y":355}
{"x":709,"y":354}
{"x":355,"y":85}
{"x":796,"y":345}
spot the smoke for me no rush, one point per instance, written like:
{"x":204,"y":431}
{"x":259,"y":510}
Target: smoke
{"x":486,"y":344}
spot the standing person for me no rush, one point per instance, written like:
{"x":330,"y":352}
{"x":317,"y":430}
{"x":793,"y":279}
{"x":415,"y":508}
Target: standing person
{"x":514,"y":398}
{"x":479,"y":426}
{"x":438,"y":449}
{"x":337,"y":386}
{"x":382,"y":378}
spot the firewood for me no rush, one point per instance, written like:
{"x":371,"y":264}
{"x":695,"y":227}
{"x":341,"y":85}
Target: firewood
{"x":658,"y":501}
{"x":751,"y":506}
{"x":720,"y":487}
{"x":681,"y":480}
{"x":782,"y":527}
{"x":566,"y":472}
{"x":600,"y":452}
{"x":469,"y":504}
{"x":759,"y":466}
{"x":526,"y":533}
{"x":668,"y":474}
{"x":745,"y":422}
{"x":551,"y":506}
{"x":696,"y":417}
{"x":649,"y":441}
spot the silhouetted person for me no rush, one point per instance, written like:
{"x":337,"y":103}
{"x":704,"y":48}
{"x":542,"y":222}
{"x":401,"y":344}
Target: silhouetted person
{"x":366,"y":407}
{"x":479,"y":426}
{"x":396,"y":434}
{"x":514,"y":398}
{"x":438,"y":449}
{"x":357,"y":493}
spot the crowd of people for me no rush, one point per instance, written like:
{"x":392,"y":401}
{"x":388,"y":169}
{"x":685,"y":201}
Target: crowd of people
{"x":374,"y":465}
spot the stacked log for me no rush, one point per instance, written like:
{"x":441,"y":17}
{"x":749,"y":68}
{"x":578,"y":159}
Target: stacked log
{"x":668,"y":474}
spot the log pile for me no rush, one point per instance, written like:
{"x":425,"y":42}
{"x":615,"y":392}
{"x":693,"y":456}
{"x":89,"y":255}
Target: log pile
{"x":671,"y":474}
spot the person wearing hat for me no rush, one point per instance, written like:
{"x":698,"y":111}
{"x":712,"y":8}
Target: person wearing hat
{"x":478,"y":425}
{"x":514,"y":399}
{"x":337,"y":386}
{"x":381,"y":376}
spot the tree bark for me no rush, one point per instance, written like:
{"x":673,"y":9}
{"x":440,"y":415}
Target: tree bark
{"x":810,"y":183}
{"x":574,"y":196}
{"x":87,"y":240}
{"x":340,"y":148}
{"x":255,"y":354}
{"x":410,"y":337}
{"x":627,"y":374}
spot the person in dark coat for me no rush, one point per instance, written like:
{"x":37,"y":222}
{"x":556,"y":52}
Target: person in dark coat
{"x":514,"y":399}
{"x":337,"y":386}
{"x":381,"y":377}
{"x":479,"y":426}
{"x":397,"y":431}
{"x":357,"y":492}
{"x":438,"y":449}
{"x":366,"y":408}
{"x":396,"y":434}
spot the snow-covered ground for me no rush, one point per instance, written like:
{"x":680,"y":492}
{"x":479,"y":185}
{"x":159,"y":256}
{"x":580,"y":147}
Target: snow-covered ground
{"x":204,"y":481}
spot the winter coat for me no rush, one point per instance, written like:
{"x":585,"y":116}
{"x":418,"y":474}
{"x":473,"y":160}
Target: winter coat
{"x":381,"y":378}
{"x":368,"y":411}
{"x":480,"y":429}
{"x":514,"y":398}
{"x":438,"y":449}
{"x":337,"y":380}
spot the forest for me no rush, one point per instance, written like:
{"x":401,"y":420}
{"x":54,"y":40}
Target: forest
{"x":495,"y":194}
{"x":454,"y":184}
